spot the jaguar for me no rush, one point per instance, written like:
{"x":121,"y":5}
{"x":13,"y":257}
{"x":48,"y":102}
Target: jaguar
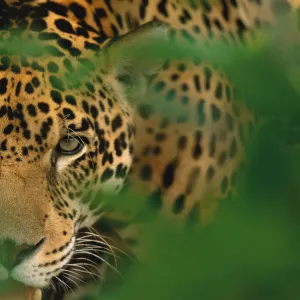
{"x":84,"y":114}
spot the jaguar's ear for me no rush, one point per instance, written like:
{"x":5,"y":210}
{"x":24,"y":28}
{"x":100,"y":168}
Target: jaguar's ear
{"x":136,"y":54}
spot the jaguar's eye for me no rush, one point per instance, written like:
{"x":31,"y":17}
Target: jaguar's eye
{"x":70,"y":145}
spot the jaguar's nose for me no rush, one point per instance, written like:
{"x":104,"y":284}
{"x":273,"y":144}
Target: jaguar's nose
{"x":12,"y":255}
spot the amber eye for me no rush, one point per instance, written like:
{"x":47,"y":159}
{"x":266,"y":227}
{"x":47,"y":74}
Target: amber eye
{"x":69,"y":145}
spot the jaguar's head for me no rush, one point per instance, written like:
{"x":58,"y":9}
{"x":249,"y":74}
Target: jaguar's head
{"x":62,"y":133}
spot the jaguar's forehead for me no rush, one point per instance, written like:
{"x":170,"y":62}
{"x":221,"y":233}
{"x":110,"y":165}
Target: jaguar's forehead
{"x":47,"y":36}
{"x":28,"y":122}
{"x":51,"y":80}
{"x":39,"y":104}
{"x":36,"y":108}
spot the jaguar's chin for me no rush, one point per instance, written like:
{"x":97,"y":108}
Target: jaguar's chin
{"x":91,"y":253}
{"x":38,"y":270}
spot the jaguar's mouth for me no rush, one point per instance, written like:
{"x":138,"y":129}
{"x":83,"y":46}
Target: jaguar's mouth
{"x":91,"y":253}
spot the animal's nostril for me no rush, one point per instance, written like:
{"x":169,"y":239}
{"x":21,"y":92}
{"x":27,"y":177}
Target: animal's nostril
{"x":12,"y":255}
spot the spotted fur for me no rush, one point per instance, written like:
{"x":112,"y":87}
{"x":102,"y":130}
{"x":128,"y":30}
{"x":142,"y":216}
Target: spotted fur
{"x":178,"y":160}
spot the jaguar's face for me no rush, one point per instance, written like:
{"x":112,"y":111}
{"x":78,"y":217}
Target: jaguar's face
{"x":55,"y":143}
{"x":59,"y":140}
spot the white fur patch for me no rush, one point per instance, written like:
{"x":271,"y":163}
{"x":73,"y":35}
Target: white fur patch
{"x":66,"y":160}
